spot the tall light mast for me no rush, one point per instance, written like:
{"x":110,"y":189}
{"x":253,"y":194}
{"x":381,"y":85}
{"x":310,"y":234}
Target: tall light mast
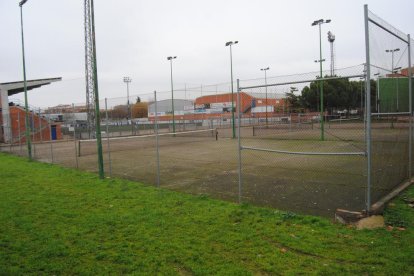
{"x":89,"y":71}
{"x":331,"y":39}
{"x":91,"y":74}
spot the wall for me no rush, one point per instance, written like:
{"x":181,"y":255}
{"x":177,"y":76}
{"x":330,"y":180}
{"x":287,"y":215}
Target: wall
{"x":17,"y":116}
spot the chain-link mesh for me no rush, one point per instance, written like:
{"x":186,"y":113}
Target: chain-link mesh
{"x":294,"y":160}
{"x":391,"y":112}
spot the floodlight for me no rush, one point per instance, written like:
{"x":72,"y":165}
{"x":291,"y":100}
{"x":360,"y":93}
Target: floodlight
{"x":229,"y":43}
{"x":22,"y":2}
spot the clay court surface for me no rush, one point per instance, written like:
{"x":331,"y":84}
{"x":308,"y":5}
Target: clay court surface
{"x":301,"y":183}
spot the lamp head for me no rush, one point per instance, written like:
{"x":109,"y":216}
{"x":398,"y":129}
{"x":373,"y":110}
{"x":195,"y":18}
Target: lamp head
{"x":229,"y":43}
{"x":22,"y":2}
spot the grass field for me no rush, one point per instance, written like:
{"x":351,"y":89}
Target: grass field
{"x":55,"y":220}
{"x":305,"y":184}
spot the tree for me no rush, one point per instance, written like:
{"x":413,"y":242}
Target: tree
{"x":294,"y":101}
{"x":119,"y":112}
{"x":338,"y":94}
{"x":140,"y":110}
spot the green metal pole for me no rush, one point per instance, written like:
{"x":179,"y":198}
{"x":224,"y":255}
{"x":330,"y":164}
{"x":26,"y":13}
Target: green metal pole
{"x":232,"y":94}
{"x":26,"y":104}
{"x":321,"y":86}
{"x":97,"y":114}
{"x":172,"y":96}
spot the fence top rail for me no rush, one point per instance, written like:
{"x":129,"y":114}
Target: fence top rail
{"x":153,"y":135}
{"x":388,"y":30}
{"x":391,"y":113}
{"x":362,"y":153}
{"x":302,"y":81}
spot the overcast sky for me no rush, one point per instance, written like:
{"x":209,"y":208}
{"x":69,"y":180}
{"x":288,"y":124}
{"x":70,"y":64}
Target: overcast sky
{"x":135,"y":37}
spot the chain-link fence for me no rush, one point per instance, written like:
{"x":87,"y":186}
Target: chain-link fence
{"x":390,"y":132}
{"x":301,"y":158}
{"x":309,"y":143}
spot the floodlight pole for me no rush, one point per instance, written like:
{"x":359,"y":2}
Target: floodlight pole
{"x":230,"y":43}
{"x":319,"y":23}
{"x":392,"y":51}
{"x":128,"y":80}
{"x":26,"y":104}
{"x":172,"y":91}
{"x":265,"y":69}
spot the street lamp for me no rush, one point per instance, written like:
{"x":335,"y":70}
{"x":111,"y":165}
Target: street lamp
{"x":265,"y":69}
{"x":26,"y":104}
{"x":128,"y":80}
{"x":319,"y":23}
{"x":230,"y":43}
{"x":172,"y":90}
{"x":392,"y":51}
{"x":398,"y":88}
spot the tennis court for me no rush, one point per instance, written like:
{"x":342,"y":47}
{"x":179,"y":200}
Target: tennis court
{"x":201,"y":162}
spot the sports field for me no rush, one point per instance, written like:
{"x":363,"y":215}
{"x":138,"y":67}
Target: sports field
{"x":200,"y":164}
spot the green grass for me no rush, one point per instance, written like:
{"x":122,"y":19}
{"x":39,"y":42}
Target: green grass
{"x":55,"y":220}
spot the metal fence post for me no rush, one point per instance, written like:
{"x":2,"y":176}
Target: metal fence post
{"x":51,"y":143}
{"x":33,"y":127}
{"x":156,"y":138}
{"x":410,"y":100}
{"x":107,"y":138}
{"x":239,"y":140}
{"x":10,"y":123}
{"x":368,"y":109}
{"x":40,"y":125}
{"x":74,"y":136}
{"x":18,"y":130}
